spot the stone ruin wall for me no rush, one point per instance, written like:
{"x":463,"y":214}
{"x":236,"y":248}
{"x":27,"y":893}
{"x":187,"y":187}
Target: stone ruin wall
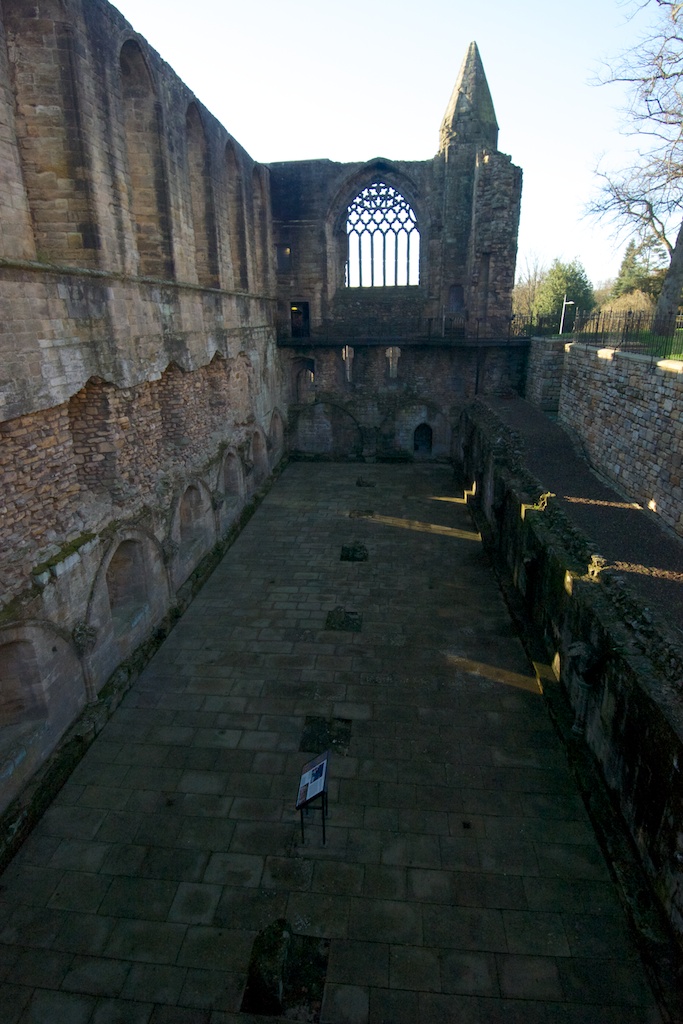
{"x":144,"y":397}
{"x":467,"y":202}
{"x":632,"y":691}
{"x":625,"y":410}
{"x":380,"y":413}
{"x":544,"y":373}
{"x":141,"y":399}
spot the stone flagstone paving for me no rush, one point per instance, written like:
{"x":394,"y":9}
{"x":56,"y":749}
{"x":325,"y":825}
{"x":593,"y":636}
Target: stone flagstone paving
{"x":461,"y":880}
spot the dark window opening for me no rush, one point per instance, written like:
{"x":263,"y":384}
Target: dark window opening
{"x":301,"y":327}
{"x":456,"y":298}
{"x":422,"y":439}
{"x":284,"y":259}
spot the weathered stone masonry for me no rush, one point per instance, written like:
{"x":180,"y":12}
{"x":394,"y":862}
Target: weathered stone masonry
{"x":141,"y":393}
{"x":626,"y":409}
{"x":620,"y":668}
{"x":150,"y":271}
{"x":379,"y":363}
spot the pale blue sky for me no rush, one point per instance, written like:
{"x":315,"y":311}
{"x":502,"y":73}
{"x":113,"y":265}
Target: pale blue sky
{"x":297,"y":79}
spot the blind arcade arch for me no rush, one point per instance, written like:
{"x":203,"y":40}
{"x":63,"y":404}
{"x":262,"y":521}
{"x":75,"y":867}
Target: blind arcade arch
{"x":383,"y":239}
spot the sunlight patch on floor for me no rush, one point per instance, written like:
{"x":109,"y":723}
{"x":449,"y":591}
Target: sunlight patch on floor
{"x":420,"y":527}
{"x":648,"y":570}
{"x":497,"y":675}
{"x":604,"y":504}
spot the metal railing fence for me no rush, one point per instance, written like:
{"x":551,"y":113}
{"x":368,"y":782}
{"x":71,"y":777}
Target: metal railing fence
{"x":631,"y":331}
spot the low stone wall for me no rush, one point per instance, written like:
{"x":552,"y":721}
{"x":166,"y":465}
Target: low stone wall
{"x":620,"y":670}
{"x":544,"y":373}
{"x":628,"y":412}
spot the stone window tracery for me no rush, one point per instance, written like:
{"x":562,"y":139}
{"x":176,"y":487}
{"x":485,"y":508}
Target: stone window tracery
{"x":384,"y":240}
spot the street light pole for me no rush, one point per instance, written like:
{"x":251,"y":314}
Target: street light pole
{"x":565,"y":303}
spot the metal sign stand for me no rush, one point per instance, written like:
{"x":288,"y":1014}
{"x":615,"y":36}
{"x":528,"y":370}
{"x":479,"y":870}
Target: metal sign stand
{"x":313,"y":786}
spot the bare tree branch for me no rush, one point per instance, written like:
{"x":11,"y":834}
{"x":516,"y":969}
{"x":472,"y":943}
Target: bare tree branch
{"x":647,"y":197}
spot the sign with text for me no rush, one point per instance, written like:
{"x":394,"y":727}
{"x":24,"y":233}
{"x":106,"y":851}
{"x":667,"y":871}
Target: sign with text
{"x":313,"y":780}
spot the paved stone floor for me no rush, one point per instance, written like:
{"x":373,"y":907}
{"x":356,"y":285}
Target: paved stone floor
{"x":461,"y":880}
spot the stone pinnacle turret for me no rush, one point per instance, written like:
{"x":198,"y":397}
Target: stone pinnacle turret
{"x":470,"y":116}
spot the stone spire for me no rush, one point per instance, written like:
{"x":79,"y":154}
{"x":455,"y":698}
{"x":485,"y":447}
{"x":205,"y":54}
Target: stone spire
{"x":470,"y":116}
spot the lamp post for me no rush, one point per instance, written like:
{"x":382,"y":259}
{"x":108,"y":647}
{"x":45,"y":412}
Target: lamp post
{"x":565,"y":303}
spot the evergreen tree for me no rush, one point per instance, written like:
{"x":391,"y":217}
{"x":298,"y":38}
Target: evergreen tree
{"x":564,"y":279}
{"x":642,"y":269}
{"x":629,"y":278}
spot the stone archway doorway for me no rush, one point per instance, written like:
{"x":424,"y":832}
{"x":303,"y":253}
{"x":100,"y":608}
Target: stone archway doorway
{"x":422,"y":439}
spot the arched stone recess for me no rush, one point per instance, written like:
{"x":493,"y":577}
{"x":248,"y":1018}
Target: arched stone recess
{"x":56,"y":170}
{"x":147,"y":177}
{"x":236,"y":222}
{"x":42,"y":690}
{"x":130,"y":596}
{"x":276,"y":438}
{"x":258,"y":466}
{"x":201,"y":200}
{"x":411,"y":425}
{"x":231,"y":489}
{"x":326,"y":430}
{"x":193,"y":531}
{"x":303,"y":381}
{"x":423,"y":439}
{"x":259,"y":242}
{"x":336,"y":236}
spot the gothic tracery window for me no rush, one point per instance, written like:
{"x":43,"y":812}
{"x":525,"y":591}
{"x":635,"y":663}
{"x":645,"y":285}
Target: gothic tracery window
{"x":384,"y":240}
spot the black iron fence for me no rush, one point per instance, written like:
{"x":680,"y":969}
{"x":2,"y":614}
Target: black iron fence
{"x":632,"y":331}
{"x":629,"y":331}
{"x":451,"y":328}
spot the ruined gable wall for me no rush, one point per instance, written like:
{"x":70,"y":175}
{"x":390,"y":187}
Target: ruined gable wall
{"x":309,"y":198}
{"x":467,"y":208}
{"x":467,"y":202}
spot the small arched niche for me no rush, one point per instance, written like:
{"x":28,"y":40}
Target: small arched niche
{"x":21,"y":693}
{"x":146,"y":173}
{"x":127,"y":586}
{"x":258,"y":459}
{"x":232,"y":478}
{"x":236,"y":218}
{"x":201,"y":200}
{"x":192,"y":510}
{"x":422,"y":439}
{"x":276,"y":437}
{"x":305,"y":381}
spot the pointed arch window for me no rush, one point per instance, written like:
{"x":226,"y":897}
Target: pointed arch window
{"x":384,"y":240}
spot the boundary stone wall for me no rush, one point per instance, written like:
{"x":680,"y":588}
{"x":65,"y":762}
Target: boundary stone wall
{"x":620,"y":669}
{"x":627,"y":411}
{"x":544,"y":373}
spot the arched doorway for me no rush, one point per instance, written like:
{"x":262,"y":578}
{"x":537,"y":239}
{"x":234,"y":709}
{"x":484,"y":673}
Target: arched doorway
{"x":422,"y":439}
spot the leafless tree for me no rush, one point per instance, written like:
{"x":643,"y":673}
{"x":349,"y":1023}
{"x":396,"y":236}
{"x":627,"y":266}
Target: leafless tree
{"x":527,"y":287}
{"x":648,"y":195}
